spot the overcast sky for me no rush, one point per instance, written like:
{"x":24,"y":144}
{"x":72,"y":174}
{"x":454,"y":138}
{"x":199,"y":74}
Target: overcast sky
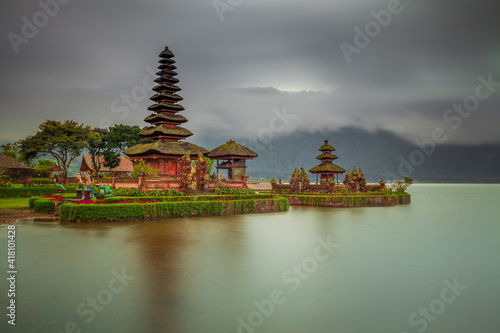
{"x":238,"y":60}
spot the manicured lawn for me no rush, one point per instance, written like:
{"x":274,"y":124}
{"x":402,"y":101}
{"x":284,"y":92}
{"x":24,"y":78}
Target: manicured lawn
{"x":16,"y":203}
{"x":13,"y":203}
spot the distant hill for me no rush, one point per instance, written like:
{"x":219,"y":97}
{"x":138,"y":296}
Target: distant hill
{"x":378,"y":154}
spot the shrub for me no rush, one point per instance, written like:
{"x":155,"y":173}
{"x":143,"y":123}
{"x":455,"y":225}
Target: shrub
{"x":70,"y":188}
{"x":350,"y":200}
{"x":401,"y":186}
{"x":142,"y":169}
{"x":25,"y":192}
{"x":40,"y":180}
{"x":192,"y":198}
{"x":156,"y":210}
{"x":31,"y":202}
{"x":233,"y":190}
{"x":133,"y":192}
{"x":44,"y":206}
{"x":5,"y":184}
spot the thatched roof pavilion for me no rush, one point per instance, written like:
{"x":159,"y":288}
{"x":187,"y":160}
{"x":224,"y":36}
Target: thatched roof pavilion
{"x":125,"y":165}
{"x":233,"y":156}
{"x":15,"y":168}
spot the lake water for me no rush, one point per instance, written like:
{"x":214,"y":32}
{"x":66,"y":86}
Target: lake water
{"x":432,"y":266}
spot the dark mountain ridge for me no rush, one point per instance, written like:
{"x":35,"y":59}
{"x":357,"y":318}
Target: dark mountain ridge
{"x":379,"y":154}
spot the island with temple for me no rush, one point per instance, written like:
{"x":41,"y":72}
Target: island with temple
{"x":162,"y":175}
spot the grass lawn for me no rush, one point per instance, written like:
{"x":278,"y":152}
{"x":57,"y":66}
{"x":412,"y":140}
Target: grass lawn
{"x":20,"y":203}
{"x":13,"y":203}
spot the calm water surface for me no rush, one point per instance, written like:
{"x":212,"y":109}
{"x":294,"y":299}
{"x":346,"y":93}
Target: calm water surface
{"x":430,"y":266}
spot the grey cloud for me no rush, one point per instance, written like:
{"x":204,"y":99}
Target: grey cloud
{"x":92,"y":52}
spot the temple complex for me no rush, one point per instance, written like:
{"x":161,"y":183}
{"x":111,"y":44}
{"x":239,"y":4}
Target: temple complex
{"x":233,"y":157}
{"x":162,"y":148}
{"x":327,"y":169}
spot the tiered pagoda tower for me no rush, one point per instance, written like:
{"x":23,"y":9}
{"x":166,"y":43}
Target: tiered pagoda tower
{"x":162,"y":149}
{"x":327,"y":169}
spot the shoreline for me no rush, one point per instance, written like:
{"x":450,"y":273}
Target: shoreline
{"x":13,"y":215}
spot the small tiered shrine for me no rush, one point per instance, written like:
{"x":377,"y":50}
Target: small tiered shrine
{"x":327,"y":169}
{"x":232,"y":157}
{"x":162,"y":148}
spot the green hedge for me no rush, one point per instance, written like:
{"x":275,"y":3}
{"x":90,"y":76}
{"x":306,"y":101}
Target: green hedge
{"x":233,"y":190}
{"x":40,"y":180}
{"x":31,"y":202}
{"x":134,"y":192}
{"x":189,"y":198}
{"x":44,"y":206}
{"x":25,"y":192}
{"x":70,"y":188}
{"x":349,"y":200}
{"x":135,"y":211}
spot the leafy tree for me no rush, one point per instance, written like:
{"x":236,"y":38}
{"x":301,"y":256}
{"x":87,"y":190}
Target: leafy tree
{"x":401,"y":186}
{"x":110,"y":143}
{"x":210,"y":164}
{"x":121,"y":137}
{"x":142,"y":169}
{"x":95,"y":146}
{"x":62,"y":140}
{"x":111,"y":159}
{"x":44,"y":165}
{"x":113,"y":142}
{"x":11,"y":150}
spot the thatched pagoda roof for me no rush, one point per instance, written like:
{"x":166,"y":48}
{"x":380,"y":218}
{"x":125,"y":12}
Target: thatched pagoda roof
{"x":166,"y":107}
{"x":327,"y":168}
{"x":167,"y":66}
{"x":326,"y":146}
{"x":164,"y":148}
{"x":166,"y":72}
{"x":7,"y":162}
{"x":178,"y":132}
{"x":327,"y":157}
{"x":166,"y":87}
{"x":232,"y":149}
{"x":167,"y":61}
{"x":166,"y":79}
{"x":166,"y":53}
{"x":166,"y":96}
{"x":175,"y":118}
